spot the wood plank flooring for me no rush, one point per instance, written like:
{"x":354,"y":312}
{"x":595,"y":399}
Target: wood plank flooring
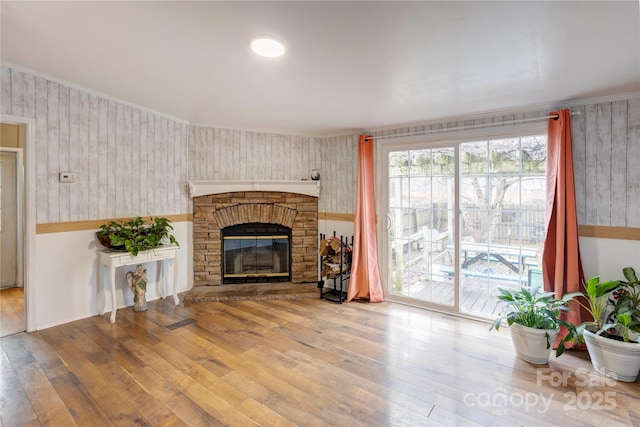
{"x":304,"y":362}
{"x":11,"y":311}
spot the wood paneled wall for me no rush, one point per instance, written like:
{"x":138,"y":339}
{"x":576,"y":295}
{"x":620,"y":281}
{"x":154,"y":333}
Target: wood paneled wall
{"x":228,"y":154}
{"x":130,"y":161}
{"x":606,"y":152}
{"x":339,"y":174}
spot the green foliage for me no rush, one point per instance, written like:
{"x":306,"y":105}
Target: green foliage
{"x":622,"y":323}
{"x":135,"y":235}
{"x":538,"y":310}
{"x":597,"y":300}
{"x":629,"y":297}
{"x":624,"y":299}
{"x":626,"y":314}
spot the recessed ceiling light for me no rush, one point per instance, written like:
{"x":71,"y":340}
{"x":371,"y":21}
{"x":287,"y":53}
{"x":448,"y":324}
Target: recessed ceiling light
{"x":267,"y":47}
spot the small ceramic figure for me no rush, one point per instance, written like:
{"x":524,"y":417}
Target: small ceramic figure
{"x":138,"y":283}
{"x":315,"y":175}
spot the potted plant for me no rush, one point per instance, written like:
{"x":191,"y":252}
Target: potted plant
{"x":135,"y":235}
{"x":612,"y":335}
{"x":534,"y":320}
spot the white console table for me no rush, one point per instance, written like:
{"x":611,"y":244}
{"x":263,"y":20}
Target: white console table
{"x":113,"y":259}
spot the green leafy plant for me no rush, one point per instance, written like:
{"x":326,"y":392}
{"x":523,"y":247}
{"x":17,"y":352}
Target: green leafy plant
{"x":597,"y":294}
{"x":627,"y":299}
{"x":136,"y":235}
{"x":622,"y":323}
{"x":614,"y":306}
{"x":538,"y":310}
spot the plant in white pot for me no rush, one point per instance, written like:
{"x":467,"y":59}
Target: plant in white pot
{"x":534,"y":321}
{"x":612,"y":336}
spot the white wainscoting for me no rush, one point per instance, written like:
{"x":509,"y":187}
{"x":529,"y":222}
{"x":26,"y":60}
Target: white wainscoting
{"x":607,"y":257}
{"x":67,"y":276}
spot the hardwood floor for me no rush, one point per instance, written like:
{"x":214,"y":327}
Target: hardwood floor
{"x":11,"y":311}
{"x":303,"y":362}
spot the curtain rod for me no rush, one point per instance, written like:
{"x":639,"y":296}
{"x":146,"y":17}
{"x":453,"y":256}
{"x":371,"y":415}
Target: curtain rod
{"x":481,"y":125}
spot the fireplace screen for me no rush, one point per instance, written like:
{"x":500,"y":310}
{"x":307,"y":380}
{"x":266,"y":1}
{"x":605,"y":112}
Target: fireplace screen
{"x":255,"y":253}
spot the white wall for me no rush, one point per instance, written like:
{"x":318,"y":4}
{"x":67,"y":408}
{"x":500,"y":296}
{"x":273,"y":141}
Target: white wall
{"x":66,"y":276}
{"x":341,"y":228}
{"x":607,"y":257}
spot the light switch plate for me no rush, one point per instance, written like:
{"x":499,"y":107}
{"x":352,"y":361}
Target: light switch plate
{"x":67,"y":177}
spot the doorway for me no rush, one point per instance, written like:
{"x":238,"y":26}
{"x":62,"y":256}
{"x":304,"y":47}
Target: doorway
{"x":12,"y":301}
{"x":464,"y":218}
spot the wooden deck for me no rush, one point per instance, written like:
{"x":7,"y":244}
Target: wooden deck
{"x":477,"y":297}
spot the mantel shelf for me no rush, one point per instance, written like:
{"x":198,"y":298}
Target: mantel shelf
{"x":204,"y":188}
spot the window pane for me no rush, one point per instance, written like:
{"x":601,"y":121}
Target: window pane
{"x":443,"y":161}
{"x":420,"y":192}
{"x":534,"y":193}
{"x":398,"y":162}
{"x":473,"y":192}
{"x":420,"y":162}
{"x":505,"y":155}
{"x":398,"y":192}
{"x":511,"y":196}
{"x":474,"y":157}
{"x":534,"y":154}
{"x":442,"y":191}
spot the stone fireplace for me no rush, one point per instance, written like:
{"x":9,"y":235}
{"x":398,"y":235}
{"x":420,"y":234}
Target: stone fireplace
{"x":271,"y":208}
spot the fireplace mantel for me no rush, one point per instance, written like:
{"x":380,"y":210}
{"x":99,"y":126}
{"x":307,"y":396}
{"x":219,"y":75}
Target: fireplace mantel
{"x":204,"y":188}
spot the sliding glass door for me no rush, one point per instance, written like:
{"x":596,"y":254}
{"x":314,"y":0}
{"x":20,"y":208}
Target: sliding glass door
{"x":464,"y":220}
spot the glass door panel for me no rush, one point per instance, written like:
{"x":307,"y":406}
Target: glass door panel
{"x":502,"y":199}
{"x":421,"y":236}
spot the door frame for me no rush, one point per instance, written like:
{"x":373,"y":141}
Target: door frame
{"x":27,"y":215}
{"x":19,"y":208}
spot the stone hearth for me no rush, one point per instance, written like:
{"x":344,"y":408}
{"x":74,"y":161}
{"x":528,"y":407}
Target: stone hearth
{"x":252,"y":292}
{"x":213,"y":212}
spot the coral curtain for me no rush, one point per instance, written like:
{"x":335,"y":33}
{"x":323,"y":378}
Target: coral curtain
{"x":365,"y":275}
{"x":561,"y":265}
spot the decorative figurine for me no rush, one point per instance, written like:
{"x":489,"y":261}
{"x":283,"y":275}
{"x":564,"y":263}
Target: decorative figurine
{"x":138,"y":283}
{"x":315,"y":175}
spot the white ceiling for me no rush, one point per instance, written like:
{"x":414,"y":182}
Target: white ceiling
{"x":349,"y":65}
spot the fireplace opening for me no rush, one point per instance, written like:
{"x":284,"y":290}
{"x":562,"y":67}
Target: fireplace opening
{"x":256,"y":252}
